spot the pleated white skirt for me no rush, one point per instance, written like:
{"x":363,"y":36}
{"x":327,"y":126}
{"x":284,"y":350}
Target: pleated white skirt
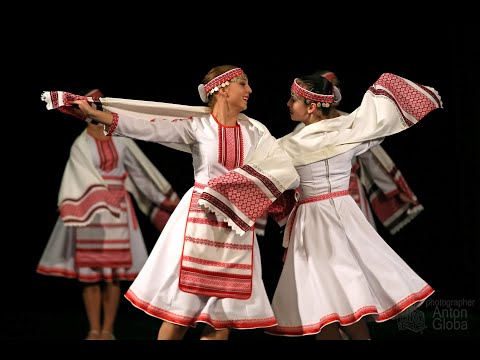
{"x":339,"y":269}
{"x":156,"y":291}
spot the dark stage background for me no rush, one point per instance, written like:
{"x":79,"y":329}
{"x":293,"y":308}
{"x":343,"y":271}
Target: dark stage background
{"x":436,"y":156}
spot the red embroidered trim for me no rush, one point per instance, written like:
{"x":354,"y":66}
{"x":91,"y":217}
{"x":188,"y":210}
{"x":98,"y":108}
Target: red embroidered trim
{"x":114,"y":124}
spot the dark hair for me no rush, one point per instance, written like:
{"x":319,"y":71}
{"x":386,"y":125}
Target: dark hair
{"x":318,"y":84}
{"x":333,"y":77}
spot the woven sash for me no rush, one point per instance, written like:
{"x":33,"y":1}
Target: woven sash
{"x":215,"y":260}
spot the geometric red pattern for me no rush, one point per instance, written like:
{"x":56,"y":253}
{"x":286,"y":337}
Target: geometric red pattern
{"x":230,"y":146}
{"x":239,"y":190}
{"x":347,"y":319}
{"x":107,"y":154}
{"x":406,"y":97}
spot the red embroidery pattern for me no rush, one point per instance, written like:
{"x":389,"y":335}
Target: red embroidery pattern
{"x":210,"y":219}
{"x":216,"y":263}
{"x":109,"y":275}
{"x":69,"y":97}
{"x":311,"y":95}
{"x":226,"y":210}
{"x":406,"y":98}
{"x":218,"y":244}
{"x":230,"y":146}
{"x":112,"y":258}
{"x":108,"y":155}
{"x":211,"y":283}
{"x":54,"y":98}
{"x":324,"y":197}
{"x":194,"y":202}
{"x":66,"y":99}
{"x":194,"y":278}
{"x":80,"y":210}
{"x":105,"y":245}
{"x":113,"y":125}
{"x":266,"y":181}
{"x":207,"y":222}
{"x":242,"y":192}
{"x":350,"y":318}
{"x":220,"y":79}
{"x":203,"y":317}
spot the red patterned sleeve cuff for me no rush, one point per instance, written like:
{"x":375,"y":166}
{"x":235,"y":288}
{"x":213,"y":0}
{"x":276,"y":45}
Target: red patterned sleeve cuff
{"x":114,"y":124}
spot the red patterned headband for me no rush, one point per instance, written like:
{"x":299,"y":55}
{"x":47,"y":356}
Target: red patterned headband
{"x":221,"y":80}
{"x":325,"y":100}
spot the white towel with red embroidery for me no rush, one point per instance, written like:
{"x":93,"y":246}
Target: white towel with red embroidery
{"x":392,"y":211}
{"x":267,"y":175}
{"x":392,"y":104}
{"x":237,"y":199}
{"x":83,"y":191}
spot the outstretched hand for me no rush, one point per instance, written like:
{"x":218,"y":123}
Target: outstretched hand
{"x":88,"y":111}
{"x":82,"y":107}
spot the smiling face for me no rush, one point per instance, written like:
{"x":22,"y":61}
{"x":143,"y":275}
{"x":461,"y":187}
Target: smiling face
{"x":238,"y":92}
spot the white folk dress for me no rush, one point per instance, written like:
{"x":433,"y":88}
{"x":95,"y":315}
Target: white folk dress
{"x":375,"y":182}
{"x":174,"y":263}
{"x":337,"y":267}
{"x":89,"y":243}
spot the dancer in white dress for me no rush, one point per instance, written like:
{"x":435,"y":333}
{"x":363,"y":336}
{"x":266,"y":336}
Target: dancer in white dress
{"x":338,"y":270}
{"x":205,"y":266}
{"x":97,"y":239}
{"x":376,"y":184}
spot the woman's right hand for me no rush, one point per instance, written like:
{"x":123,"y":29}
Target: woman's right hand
{"x":84,"y":107}
{"x":88,"y":111}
